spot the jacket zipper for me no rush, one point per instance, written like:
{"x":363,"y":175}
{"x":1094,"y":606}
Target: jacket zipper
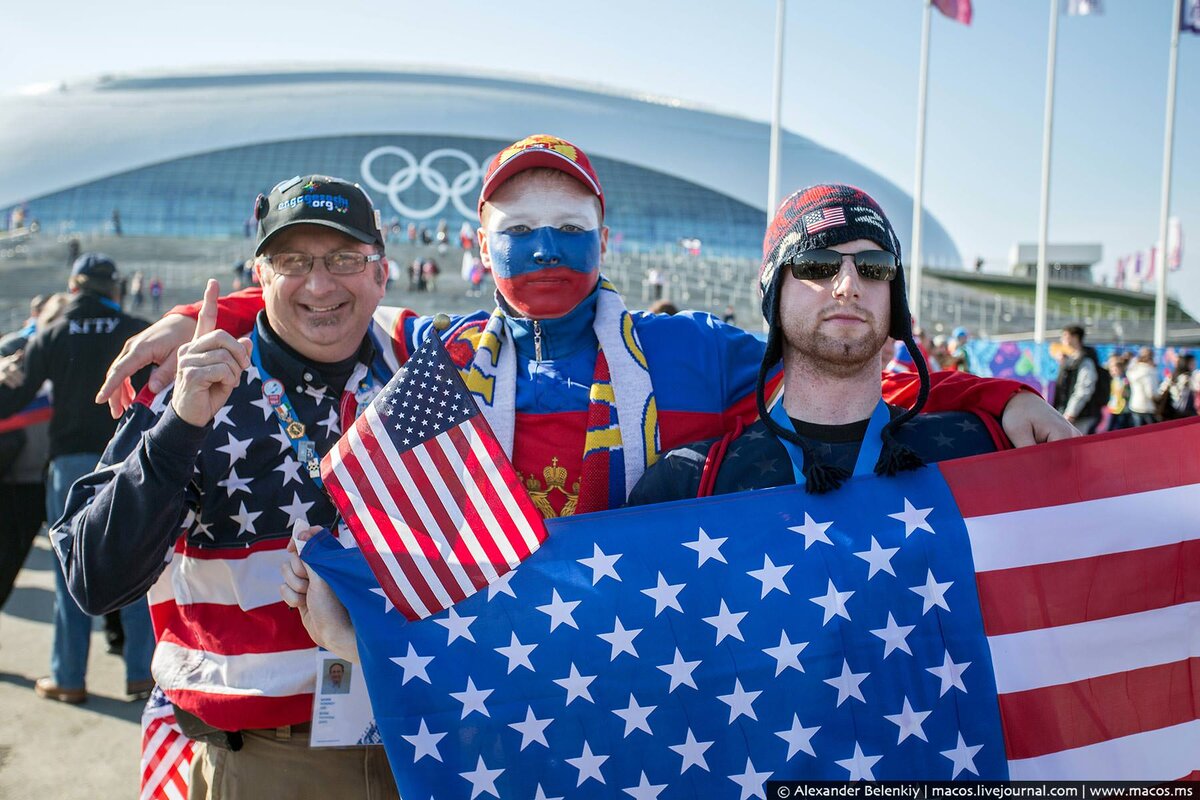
{"x":537,"y":341}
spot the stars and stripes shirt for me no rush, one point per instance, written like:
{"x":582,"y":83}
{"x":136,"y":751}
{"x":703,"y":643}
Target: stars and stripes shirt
{"x":201,"y":518}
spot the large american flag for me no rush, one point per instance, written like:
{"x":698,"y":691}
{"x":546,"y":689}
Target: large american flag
{"x":166,"y":752}
{"x":1029,"y":614}
{"x":429,"y":495}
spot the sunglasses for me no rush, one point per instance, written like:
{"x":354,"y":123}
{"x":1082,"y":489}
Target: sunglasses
{"x":821,"y":265}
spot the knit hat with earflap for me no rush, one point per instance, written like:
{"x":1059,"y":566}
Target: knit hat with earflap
{"x":819,"y":217}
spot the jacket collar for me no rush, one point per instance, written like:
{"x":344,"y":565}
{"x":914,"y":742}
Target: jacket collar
{"x":560,"y":337}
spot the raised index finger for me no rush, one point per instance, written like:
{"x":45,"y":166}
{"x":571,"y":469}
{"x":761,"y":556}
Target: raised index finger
{"x":207,"y":321}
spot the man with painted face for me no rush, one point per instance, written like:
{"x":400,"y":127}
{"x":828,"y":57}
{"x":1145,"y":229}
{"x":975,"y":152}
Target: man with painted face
{"x":582,"y":393}
{"x":833,"y":293}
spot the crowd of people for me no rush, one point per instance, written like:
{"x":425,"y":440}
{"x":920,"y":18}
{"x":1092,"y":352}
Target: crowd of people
{"x":254,"y":388}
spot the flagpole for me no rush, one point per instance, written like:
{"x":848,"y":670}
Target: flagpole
{"x":1160,"y":300}
{"x":1039,"y":307}
{"x":776,"y":114}
{"x":776,"y":120}
{"x":914,"y":289}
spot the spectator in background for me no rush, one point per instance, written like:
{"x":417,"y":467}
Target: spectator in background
{"x":156,"y":293}
{"x":429,"y":274}
{"x":476,"y":278}
{"x":730,"y":316}
{"x":1119,"y":415}
{"x":939,"y":353}
{"x":925,"y":345}
{"x":73,"y":250}
{"x":663,"y":307}
{"x":137,"y":290}
{"x":73,"y":354}
{"x":24,"y":451}
{"x":959,"y":360}
{"x":468,"y":261}
{"x":1177,"y":394}
{"x":412,"y":233}
{"x":1142,"y":375}
{"x":116,"y":221}
{"x":425,"y":236}
{"x":1081,"y":389}
{"x":466,"y":236}
{"x":654,"y":278}
{"x":416,"y":282}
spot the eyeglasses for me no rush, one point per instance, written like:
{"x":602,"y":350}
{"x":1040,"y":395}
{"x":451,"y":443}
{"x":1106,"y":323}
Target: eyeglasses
{"x":821,"y":265}
{"x":344,"y":262}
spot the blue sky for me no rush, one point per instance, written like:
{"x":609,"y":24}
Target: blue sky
{"x":850,"y":84}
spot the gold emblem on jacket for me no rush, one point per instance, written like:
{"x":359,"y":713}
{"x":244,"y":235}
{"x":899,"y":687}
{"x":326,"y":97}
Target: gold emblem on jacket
{"x":556,"y":482}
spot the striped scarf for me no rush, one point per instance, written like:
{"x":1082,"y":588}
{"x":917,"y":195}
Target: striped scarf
{"x":621,"y":406}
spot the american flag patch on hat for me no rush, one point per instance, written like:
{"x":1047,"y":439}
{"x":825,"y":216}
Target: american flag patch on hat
{"x":819,"y":220}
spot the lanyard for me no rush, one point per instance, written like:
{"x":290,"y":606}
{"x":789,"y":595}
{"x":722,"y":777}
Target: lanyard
{"x":289,"y":421}
{"x":868,"y":451}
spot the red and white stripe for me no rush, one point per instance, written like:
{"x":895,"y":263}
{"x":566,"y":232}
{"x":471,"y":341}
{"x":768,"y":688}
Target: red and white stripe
{"x":229,"y":649}
{"x":166,"y":756}
{"x":1089,"y":584}
{"x":437,"y":522}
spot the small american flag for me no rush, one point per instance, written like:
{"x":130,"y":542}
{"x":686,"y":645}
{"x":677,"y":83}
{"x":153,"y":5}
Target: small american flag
{"x":427,"y":492}
{"x":166,"y":752}
{"x":816,"y":221}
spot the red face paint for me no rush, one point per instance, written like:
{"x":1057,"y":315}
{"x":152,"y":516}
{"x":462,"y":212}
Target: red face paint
{"x":547,"y":293}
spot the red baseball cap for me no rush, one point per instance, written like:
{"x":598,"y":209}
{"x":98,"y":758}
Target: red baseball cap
{"x":540,"y":151}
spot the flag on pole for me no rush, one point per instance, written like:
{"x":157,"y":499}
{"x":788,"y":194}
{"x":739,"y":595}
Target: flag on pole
{"x":957,"y":10}
{"x":427,"y":492}
{"x":1174,"y":244}
{"x":1022,"y":615}
{"x":1082,"y":8}
{"x":1119,"y":280}
{"x":166,"y":752}
{"x":1189,"y":20}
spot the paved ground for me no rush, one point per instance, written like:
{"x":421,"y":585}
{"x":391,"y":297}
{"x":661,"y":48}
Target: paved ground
{"x":52,"y":750}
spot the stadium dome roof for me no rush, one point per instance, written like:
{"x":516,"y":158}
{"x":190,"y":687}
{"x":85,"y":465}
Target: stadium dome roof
{"x":61,"y":135}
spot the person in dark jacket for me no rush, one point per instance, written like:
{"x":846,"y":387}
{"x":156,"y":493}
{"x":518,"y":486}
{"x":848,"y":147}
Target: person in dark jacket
{"x":833,"y":293}
{"x":1082,"y":386}
{"x":72,"y":355}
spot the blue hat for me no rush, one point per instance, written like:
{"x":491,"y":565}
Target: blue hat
{"x":95,"y":265}
{"x":959,"y":332}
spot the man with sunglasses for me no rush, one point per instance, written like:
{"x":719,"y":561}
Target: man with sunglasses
{"x":833,"y":293}
{"x":197,"y":495}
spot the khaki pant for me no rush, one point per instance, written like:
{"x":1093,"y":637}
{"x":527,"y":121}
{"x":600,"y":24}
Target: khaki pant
{"x":281,"y":764}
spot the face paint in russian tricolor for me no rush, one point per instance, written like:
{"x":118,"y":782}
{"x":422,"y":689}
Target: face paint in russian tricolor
{"x":544,"y":273}
{"x":544,"y":242}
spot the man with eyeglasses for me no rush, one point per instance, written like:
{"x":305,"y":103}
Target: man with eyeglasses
{"x":833,"y":293}
{"x":197,"y":495}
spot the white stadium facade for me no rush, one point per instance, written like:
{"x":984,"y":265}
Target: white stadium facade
{"x":185,"y":154}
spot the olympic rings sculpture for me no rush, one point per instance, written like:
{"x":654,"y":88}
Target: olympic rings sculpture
{"x":447,"y":191}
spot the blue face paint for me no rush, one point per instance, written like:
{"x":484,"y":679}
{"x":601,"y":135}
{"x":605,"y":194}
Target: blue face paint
{"x":521,"y":253}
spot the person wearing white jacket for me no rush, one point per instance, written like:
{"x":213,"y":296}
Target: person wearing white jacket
{"x":1143,"y":383}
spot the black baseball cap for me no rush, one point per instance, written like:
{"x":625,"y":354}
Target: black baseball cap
{"x":95,"y":265}
{"x":317,"y":200}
